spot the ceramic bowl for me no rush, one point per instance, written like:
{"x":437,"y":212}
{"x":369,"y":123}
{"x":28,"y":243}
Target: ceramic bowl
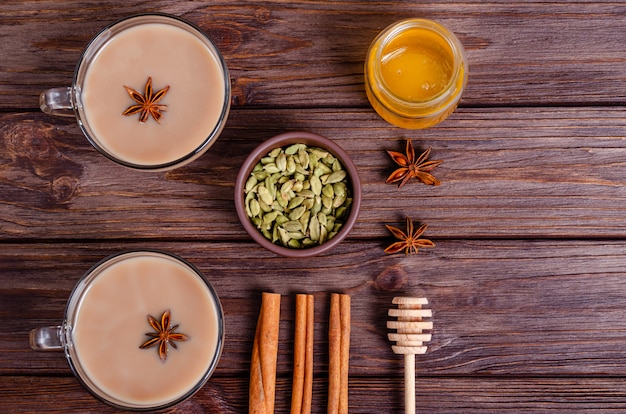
{"x":311,"y":140}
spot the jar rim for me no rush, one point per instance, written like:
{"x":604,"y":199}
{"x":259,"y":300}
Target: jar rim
{"x":390,"y":33}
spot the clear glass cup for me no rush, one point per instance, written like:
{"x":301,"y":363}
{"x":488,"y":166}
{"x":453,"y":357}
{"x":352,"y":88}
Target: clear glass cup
{"x":105,"y":324}
{"x":195,"y":111}
{"x":415,"y":73}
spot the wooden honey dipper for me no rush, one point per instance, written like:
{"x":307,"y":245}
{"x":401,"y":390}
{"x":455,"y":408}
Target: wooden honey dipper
{"x":409,"y":338}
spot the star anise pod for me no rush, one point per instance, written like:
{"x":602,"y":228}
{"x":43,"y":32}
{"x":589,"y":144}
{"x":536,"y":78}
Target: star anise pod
{"x":147,"y":104}
{"x":410,"y":167}
{"x":163,"y":335}
{"x":409,"y":241}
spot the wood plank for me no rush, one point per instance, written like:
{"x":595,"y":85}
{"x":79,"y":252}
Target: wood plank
{"x":366,"y":395}
{"x":507,"y":173}
{"x":500,"y":308}
{"x":303,"y":54}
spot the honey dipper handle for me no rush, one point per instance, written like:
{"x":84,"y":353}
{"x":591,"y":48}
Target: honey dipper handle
{"x":409,"y":384}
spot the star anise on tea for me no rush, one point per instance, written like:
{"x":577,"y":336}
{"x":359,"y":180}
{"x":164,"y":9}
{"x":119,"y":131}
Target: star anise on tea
{"x":164,"y":335}
{"x":147,"y":104}
{"x":410,"y":167}
{"x":410,"y":241}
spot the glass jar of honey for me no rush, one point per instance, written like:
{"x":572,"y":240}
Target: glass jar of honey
{"x":415,"y":73}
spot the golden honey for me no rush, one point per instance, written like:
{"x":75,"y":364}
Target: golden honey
{"x":415,"y":73}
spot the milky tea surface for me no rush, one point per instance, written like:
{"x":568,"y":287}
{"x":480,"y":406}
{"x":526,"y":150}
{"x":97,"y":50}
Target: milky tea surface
{"x":111,"y":323}
{"x":172,"y":57}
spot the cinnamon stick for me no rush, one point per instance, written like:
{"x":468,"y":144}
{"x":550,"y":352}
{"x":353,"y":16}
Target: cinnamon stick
{"x":302,"y":386}
{"x":307,"y":400}
{"x":345,"y":353}
{"x":264,"y":356}
{"x":338,"y":353}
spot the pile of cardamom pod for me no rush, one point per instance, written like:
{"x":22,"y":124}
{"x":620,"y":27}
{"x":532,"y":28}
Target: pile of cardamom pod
{"x":298,"y":196}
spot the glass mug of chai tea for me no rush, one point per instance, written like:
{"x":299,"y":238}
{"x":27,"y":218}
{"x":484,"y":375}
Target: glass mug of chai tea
{"x":150,"y":92}
{"x":143,"y":330}
{"x":415,"y":73}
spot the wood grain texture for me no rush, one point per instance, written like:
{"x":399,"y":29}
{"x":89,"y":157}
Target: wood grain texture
{"x":499,"y":307}
{"x":526,"y":281}
{"x":507,"y":173}
{"x":301,"y":53}
{"x":367,"y":395}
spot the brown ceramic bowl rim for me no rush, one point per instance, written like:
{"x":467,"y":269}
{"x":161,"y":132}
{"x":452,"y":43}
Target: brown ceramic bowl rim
{"x":282,"y":140}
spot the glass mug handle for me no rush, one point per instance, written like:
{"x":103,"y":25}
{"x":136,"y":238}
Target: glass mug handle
{"x":57,"y":101}
{"x":48,"y":338}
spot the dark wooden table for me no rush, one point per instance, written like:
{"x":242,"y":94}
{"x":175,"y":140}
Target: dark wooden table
{"x":527,"y":281}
